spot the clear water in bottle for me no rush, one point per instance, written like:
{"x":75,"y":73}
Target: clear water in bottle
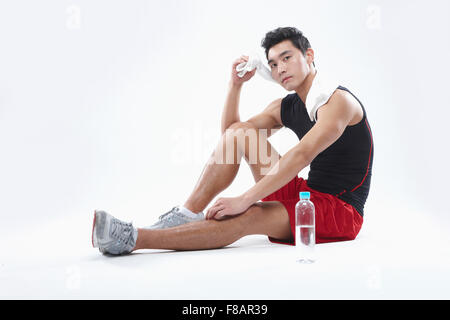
{"x":304,"y":243}
{"x":305,"y":229}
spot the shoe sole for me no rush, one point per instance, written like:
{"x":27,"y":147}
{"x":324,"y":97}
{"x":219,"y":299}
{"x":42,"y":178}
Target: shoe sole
{"x":94,"y":231}
{"x":94,"y":235}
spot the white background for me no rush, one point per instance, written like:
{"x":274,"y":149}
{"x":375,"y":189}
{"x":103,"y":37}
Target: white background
{"x":116,"y":105}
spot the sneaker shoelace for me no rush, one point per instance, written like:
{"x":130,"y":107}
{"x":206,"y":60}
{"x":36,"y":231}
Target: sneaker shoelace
{"x":162,"y":217}
{"x":122,"y":231}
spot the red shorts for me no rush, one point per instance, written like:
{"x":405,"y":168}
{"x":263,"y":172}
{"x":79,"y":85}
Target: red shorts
{"x":336,"y":220}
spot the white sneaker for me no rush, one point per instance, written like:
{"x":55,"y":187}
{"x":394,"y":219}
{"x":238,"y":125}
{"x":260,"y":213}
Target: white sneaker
{"x":175,"y":218}
{"x":111,"y":235}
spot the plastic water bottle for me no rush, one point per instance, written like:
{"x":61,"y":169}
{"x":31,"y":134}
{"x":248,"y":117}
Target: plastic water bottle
{"x":305,"y":229}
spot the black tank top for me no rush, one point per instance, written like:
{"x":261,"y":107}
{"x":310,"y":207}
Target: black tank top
{"x":344,"y":169}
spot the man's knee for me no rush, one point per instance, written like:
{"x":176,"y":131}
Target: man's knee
{"x":239,"y":138}
{"x":251,"y":216}
{"x":253,"y":211}
{"x":242,"y":132}
{"x":241,"y":125}
{"x":244,"y":221}
{"x":269,"y":218}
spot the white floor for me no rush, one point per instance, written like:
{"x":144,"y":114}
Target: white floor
{"x":56,"y":261}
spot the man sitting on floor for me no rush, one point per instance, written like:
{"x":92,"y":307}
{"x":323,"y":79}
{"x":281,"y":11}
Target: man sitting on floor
{"x":335,"y":139}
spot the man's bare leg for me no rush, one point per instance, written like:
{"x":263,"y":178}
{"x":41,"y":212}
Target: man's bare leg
{"x":216,"y":177}
{"x":268,"y":218}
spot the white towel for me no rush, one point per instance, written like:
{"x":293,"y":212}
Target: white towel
{"x":319,"y":94}
{"x":254,"y":62}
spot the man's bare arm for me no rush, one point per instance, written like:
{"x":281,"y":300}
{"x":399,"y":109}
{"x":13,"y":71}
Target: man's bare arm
{"x":230,"y":112}
{"x":269,"y":119}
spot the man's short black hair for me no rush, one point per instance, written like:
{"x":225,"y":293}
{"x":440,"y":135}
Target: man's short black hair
{"x":278,"y":35}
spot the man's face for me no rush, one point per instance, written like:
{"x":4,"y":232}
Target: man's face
{"x":288,"y":65}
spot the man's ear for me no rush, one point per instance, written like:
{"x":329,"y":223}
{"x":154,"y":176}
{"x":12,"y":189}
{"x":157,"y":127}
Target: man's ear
{"x":309,"y":56}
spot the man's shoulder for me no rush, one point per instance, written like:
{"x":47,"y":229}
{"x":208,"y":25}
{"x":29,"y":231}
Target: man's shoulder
{"x":289,"y":99}
{"x":345,"y":104}
{"x":275,"y":104}
{"x":344,"y":96}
